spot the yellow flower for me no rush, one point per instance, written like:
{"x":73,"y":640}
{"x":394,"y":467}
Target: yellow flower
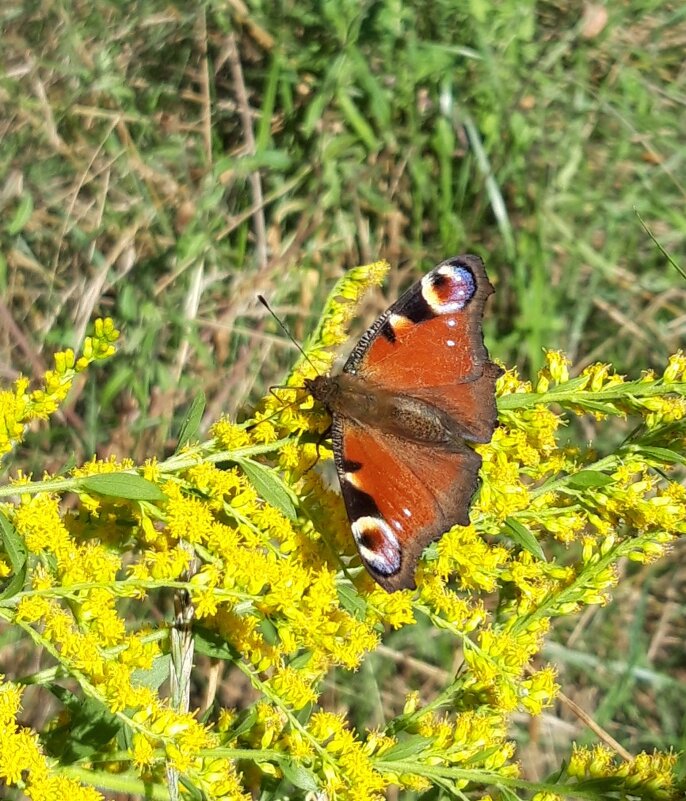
{"x":21,"y":758}
{"x":13,"y":414}
{"x":395,"y":609}
{"x":142,"y":751}
{"x":676,"y":367}
{"x":292,"y":686}
{"x":556,"y":370}
{"x":229,"y":436}
{"x":187,"y":518}
{"x":539,"y":691}
{"x":475,"y":562}
{"x":96,"y":467}
{"x":20,"y":407}
{"x":38,"y":520}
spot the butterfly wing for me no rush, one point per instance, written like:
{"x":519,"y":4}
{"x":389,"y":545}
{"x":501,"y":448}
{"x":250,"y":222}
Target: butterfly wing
{"x":401,"y":495}
{"x":429,"y":344}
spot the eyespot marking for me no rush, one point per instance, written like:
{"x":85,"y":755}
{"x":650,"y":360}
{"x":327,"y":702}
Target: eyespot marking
{"x":449,"y":288}
{"x":378,"y":545}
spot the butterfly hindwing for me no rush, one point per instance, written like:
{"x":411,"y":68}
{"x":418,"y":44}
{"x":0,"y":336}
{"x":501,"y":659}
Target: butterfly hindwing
{"x":400,"y":497}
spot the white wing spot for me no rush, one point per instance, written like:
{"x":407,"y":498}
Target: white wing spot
{"x":353,"y":480}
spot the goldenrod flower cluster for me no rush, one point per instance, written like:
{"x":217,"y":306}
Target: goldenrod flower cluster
{"x":22,"y":762}
{"x":20,"y":406}
{"x":651,"y":775}
{"x":262,"y":550}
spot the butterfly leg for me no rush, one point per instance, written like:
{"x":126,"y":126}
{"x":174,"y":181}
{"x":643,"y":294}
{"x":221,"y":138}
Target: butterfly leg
{"x":326,"y":434}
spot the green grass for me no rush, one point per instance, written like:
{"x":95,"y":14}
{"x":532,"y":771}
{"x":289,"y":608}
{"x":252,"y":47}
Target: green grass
{"x":132,"y":185}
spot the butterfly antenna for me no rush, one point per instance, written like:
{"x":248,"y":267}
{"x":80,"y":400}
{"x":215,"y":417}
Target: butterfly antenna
{"x":287,"y":332}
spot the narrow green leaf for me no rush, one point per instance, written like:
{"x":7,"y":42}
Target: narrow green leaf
{"x":352,"y":601}
{"x":13,"y":544}
{"x":407,"y":748}
{"x":481,"y":756}
{"x":298,"y":662}
{"x":269,"y":486}
{"x":588,"y":478}
{"x":356,"y":121}
{"x":191,"y":422}
{"x":90,"y":726}
{"x":123,"y":485}
{"x":15,"y":585}
{"x":604,"y":407}
{"x":191,"y":791}
{"x":211,"y":644}
{"x":521,"y":535}
{"x":662,"y":455}
{"x":299,"y":776}
{"x":21,"y":215}
{"x":246,"y":721}
{"x":508,"y":795}
{"x":603,"y":784}
{"x":154,"y":677}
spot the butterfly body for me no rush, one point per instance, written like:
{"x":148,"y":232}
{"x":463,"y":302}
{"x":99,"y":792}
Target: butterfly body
{"x":400,"y":415}
{"x":416,"y":389}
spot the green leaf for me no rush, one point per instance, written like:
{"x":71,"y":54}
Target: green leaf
{"x":191,"y":422}
{"x":604,"y":784}
{"x":123,"y":485}
{"x":481,"y":756}
{"x":269,"y":486}
{"x":246,"y":721}
{"x":508,"y":795}
{"x":211,"y":644}
{"x":661,"y":455}
{"x":588,"y":478}
{"x":13,"y":544}
{"x":17,"y":554}
{"x":154,"y":677}
{"x":192,"y":791}
{"x":91,"y":725}
{"x":299,"y":776}
{"x":298,"y":662}
{"x":21,"y":215}
{"x":16,"y":584}
{"x":352,"y":601}
{"x":407,"y":748}
{"x":521,"y":535}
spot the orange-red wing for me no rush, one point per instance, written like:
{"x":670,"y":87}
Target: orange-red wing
{"x":401,"y":496}
{"x":431,"y":336}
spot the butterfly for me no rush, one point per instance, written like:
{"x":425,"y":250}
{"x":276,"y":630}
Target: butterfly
{"x":415,"y":393}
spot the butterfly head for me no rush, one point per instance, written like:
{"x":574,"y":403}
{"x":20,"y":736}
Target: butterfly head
{"x":323,"y":388}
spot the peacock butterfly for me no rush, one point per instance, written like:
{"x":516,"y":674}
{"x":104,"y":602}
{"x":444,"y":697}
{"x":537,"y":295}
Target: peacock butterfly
{"x":417,"y":389}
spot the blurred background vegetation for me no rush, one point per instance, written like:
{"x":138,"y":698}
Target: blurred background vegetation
{"x":163,"y":162}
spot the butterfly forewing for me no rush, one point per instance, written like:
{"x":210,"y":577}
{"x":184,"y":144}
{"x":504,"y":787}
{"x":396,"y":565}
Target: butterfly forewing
{"x":431,"y":333}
